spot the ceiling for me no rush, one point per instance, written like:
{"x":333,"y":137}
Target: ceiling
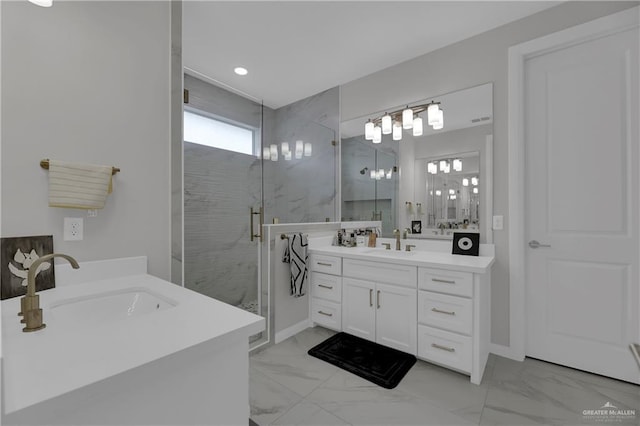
{"x":297,"y":49}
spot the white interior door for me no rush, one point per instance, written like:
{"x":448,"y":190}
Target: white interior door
{"x":582,"y":191}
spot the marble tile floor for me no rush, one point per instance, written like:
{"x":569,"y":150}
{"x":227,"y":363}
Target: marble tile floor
{"x":289,"y":387}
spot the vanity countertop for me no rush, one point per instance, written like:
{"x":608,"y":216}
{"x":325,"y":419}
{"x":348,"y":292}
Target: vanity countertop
{"x":429,"y":259}
{"x":47,"y":363}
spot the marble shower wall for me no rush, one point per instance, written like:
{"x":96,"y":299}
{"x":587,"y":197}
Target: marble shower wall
{"x":304,"y":190}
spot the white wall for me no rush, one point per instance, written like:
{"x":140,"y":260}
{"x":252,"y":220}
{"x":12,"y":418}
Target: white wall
{"x":89,"y":82}
{"x":474,"y":61}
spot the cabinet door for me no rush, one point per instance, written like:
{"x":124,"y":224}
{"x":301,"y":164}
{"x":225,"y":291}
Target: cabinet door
{"x":358,"y":308}
{"x":396,"y":317}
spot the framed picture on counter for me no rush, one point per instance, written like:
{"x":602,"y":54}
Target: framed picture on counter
{"x":16,"y":256}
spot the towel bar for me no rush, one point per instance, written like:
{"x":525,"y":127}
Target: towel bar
{"x":45,"y":165}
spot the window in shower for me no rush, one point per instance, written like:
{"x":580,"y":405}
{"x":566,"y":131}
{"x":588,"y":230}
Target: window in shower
{"x":206,"y":130}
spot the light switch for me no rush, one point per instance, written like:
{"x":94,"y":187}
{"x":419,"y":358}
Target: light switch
{"x":498,"y":223}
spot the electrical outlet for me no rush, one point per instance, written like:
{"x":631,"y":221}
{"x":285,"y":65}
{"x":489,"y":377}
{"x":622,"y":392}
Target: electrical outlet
{"x":73,"y":228}
{"x":498,"y":223}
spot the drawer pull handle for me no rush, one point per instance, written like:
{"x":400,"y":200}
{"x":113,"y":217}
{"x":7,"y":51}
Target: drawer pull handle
{"x":325,"y":286}
{"x":438,"y":280}
{"x":324,"y":264}
{"x":370,"y":297}
{"x":325,"y":314}
{"x":442,"y":312}
{"x":378,"y":298}
{"x":444,"y":348}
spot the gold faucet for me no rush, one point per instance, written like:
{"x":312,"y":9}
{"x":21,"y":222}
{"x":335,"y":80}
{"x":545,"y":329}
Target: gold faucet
{"x":30,"y":303}
{"x":396,"y":232}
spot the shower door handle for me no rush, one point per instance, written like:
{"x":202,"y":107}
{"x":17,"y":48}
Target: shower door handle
{"x":251,"y":231}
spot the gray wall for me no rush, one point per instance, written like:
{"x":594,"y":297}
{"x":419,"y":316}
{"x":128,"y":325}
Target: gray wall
{"x":474,"y":61}
{"x":81,"y":82}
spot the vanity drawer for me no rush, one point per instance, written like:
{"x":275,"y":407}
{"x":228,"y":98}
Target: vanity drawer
{"x":327,"y":314}
{"x":443,"y":311}
{"x":390,"y":273}
{"x":326,"y":264}
{"x":445,"y":348}
{"x":326,"y":286}
{"x":445,"y":281}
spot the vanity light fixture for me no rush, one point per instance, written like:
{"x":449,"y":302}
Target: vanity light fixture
{"x":368,"y":130}
{"x":432,"y":167}
{"x":240,"y":71}
{"x":397,"y":130}
{"x":474,"y":181}
{"x":386,"y":124}
{"x":408,"y":118}
{"x":417,"y":126}
{"x":42,"y":3}
{"x":457,"y":165}
{"x":377,"y":134}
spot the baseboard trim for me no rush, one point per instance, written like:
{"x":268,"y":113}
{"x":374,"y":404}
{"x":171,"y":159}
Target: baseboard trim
{"x":504,"y":351}
{"x":291,"y":331}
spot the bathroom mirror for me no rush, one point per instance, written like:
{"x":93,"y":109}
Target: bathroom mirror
{"x":466,"y":133}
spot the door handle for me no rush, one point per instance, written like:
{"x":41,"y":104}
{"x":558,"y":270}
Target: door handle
{"x":251,"y":213}
{"x":535,"y":244}
{"x":370,"y":297}
{"x":378,"y":299}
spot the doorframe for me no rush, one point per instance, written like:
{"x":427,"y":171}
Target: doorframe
{"x":517,"y":55}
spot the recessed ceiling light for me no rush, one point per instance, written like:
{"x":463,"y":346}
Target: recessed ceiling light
{"x":240,"y":71}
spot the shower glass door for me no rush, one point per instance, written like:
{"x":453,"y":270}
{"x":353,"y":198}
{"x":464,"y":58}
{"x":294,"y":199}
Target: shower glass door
{"x":223,"y":185}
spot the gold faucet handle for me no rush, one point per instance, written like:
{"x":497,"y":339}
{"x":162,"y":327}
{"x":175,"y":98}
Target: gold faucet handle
{"x":408,"y":247}
{"x":387,"y":246}
{"x":33,"y":320}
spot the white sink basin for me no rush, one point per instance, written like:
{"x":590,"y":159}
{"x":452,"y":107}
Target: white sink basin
{"x":110,"y":306}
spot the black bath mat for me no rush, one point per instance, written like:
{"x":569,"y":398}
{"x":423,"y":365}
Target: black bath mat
{"x":373,"y":362}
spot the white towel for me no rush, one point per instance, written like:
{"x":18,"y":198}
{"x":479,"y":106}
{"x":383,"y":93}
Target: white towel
{"x":295,"y":253}
{"x":78,"y":186}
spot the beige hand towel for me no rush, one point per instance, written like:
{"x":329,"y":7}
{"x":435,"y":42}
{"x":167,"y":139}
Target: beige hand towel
{"x":78,"y":186}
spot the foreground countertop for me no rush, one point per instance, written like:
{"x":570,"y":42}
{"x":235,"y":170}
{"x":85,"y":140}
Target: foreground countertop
{"x":50,"y":362}
{"x":428,"y":259}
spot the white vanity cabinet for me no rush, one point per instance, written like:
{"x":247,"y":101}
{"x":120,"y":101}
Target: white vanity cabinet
{"x":453,"y":317}
{"x":379,"y":303}
{"x":430,"y":304}
{"x":326,"y":291}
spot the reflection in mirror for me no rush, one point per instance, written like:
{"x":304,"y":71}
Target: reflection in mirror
{"x":449,"y":189}
{"x":370,"y":182}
